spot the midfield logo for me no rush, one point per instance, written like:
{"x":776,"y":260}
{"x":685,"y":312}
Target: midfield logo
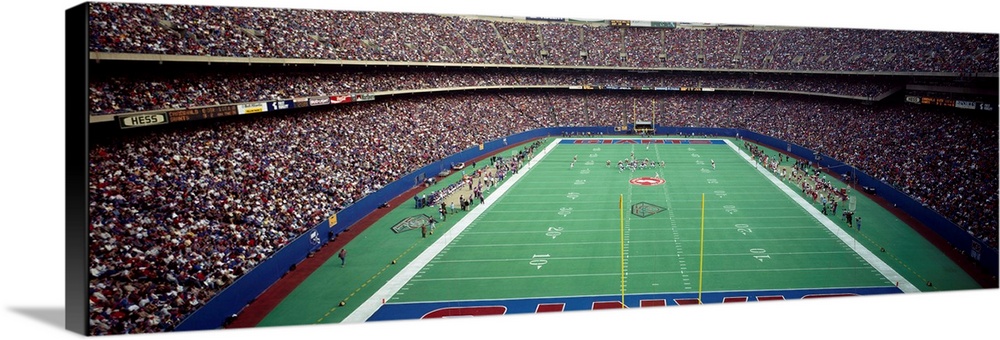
{"x":647,"y":181}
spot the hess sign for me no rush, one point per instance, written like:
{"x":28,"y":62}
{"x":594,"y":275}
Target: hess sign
{"x":148,"y":119}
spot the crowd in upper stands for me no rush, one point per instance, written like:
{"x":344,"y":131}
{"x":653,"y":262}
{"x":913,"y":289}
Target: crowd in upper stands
{"x":388,"y":36}
{"x":124,"y":92}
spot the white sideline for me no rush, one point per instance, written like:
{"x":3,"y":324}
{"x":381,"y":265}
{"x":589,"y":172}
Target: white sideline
{"x":368,"y":307}
{"x":867,"y":255}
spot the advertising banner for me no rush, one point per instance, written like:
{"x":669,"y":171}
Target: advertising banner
{"x":964,"y":104}
{"x":280,"y":105}
{"x":301,"y":102}
{"x":140,"y":120}
{"x":317,"y":101}
{"x":545,"y":19}
{"x":340,"y":99}
{"x":364,"y":97}
{"x":245,"y":109}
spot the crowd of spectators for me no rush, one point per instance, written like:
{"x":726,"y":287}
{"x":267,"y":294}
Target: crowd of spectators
{"x":721,"y":48}
{"x":644,"y":46}
{"x":178,"y":214}
{"x":388,"y":36}
{"x":127,"y":90}
{"x":605,"y":46}
{"x":944,"y":159}
{"x":480,"y":37}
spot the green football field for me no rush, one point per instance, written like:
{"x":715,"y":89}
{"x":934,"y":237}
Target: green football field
{"x":553,"y":238}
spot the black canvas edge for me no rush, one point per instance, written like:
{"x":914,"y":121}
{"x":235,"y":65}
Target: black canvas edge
{"x":76,"y":35}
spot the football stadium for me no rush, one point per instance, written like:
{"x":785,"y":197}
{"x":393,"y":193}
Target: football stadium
{"x":252,"y":167}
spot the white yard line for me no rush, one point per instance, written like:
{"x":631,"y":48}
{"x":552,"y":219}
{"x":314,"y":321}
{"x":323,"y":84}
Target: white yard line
{"x":867,"y":255}
{"x":369,"y":306}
